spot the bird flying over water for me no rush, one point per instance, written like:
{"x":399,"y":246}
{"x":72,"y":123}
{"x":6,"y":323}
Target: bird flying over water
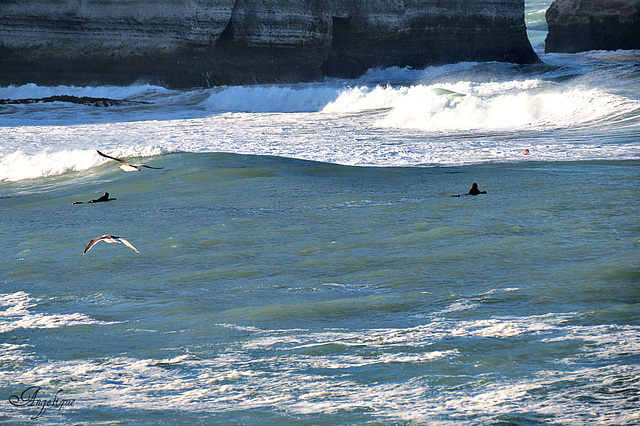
{"x":126,"y":166}
{"x":112,"y":239}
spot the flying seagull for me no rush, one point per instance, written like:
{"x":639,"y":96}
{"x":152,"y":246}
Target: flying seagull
{"x":109,"y":239}
{"x":126,"y":166}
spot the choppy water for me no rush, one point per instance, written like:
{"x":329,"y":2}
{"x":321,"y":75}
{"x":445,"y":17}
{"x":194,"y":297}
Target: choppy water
{"x":301,"y":259}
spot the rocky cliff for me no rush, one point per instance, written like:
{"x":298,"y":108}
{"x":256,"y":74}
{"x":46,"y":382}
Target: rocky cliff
{"x":185,"y":43}
{"x":579,"y":25}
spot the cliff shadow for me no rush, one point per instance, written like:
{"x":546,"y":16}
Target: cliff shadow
{"x":341,"y":62}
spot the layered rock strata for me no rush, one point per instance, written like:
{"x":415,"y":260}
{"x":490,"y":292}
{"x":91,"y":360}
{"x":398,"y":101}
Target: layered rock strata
{"x":186,"y":43}
{"x":580,"y":25}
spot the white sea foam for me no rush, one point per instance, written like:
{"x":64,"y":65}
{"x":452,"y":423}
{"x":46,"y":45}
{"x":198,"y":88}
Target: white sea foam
{"x":408,"y":75}
{"x":487,"y":106}
{"x":497,"y":328}
{"x":19,"y":313}
{"x":264,"y":99}
{"x":420,"y":336}
{"x":20,"y":165}
{"x":274,"y":374}
{"x":457,"y":114}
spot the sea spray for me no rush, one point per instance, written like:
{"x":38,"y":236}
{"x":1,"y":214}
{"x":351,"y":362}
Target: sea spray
{"x":20,"y":165}
{"x":265,"y":99}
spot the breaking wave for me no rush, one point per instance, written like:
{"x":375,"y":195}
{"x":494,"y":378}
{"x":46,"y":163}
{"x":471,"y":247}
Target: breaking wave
{"x":456,"y":114}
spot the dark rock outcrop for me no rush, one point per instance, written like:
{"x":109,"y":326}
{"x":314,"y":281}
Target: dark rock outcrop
{"x":82,"y":100}
{"x":580,"y":25}
{"x":185,"y":43}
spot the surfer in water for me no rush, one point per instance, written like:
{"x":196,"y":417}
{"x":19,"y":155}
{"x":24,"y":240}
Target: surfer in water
{"x":101,"y":199}
{"x":473,"y":191}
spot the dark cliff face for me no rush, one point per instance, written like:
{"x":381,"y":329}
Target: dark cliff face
{"x":580,"y":25}
{"x":186,"y":43}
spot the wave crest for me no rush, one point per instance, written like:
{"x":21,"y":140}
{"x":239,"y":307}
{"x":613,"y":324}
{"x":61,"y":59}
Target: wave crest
{"x":19,"y":165}
{"x":267,"y":99}
{"x":486,"y":106}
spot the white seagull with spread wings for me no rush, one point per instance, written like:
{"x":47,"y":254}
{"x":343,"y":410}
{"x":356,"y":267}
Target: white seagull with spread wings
{"x":112,"y":239}
{"x":126,"y":166}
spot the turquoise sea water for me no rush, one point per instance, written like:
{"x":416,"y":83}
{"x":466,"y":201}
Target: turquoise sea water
{"x":302,"y":260}
{"x":300,"y":292}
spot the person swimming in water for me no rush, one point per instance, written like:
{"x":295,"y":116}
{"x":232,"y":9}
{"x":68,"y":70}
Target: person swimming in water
{"x":526,"y":152}
{"x":473,"y":191}
{"x":101,"y":199}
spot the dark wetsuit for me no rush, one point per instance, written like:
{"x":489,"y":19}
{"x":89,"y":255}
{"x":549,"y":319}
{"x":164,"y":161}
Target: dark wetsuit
{"x":104,"y":198}
{"x":473,"y":191}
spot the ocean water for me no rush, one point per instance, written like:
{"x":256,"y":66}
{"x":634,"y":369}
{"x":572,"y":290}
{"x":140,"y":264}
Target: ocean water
{"x":302,"y":260}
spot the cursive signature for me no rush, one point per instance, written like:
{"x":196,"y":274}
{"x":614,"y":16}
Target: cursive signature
{"x":29,"y":398}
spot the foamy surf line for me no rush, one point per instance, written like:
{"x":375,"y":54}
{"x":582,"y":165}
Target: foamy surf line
{"x":268,"y":371}
{"x":422,"y":124}
{"x":19,"y":165}
{"x":17,"y":312}
{"x":463,"y":106}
